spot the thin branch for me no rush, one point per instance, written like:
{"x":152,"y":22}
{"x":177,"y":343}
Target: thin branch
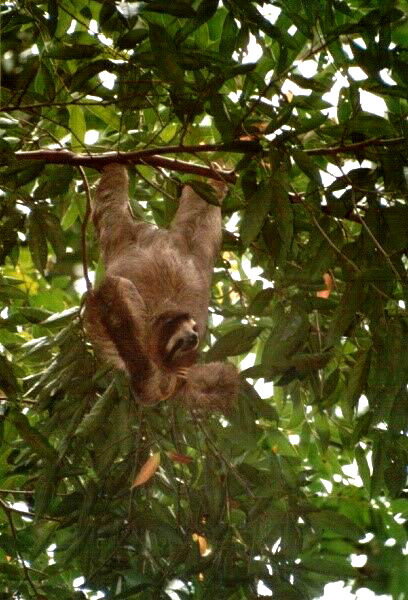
{"x":367,"y":228}
{"x":340,"y":253}
{"x":75,"y":102}
{"x":8,"y":510}
{"x":351,"y":148}
{"x":154,"y":186}
{"x":380,"y":248}
{"x":213,"y":448}
{"x":84,"y":226}
{"x":28,"y":492}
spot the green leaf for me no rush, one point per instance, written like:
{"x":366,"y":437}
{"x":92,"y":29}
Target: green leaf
{"x":352,"y":299}
{"x":323,"y":430}
{"x":280,"y":444}
{"x":178,"y":8}
{"x":307,"y":165}
{"x":68,"y":51}
{"x":256,"y":212}
{"x":334,"y":568}
{"x":233,"y":343}
{"x":221,"y":117}
{"x":37,"y":242}
{"x":337,"y":523}
{"x":379,"y":460}
{"x":106,"y":114}
{"x":44,"y":83}
{"x":70,"y":216}
{"x":8,"y":381}
{"x":363,"y":467}
{"x":132,"y":38}
{"x":254,"y":16}
{"x":77,"y":126}
{"x":63,"y":318}
{"x":288,"y":335}
{"x":54,"y":233}
{"x":84,"y":74}
{"x":358,"y":379}
{"x":229,"y":36}
{"x":165,"y":51}
{"x":205,"y":11}
{"x":36,"y":440}
{"x":204,"y":190}
{"x":282,"y":211}
{"x":94,"y":420}
{"x":52,"y":10}
{"x":44,"y":490}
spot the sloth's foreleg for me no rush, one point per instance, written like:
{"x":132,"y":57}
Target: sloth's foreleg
{"x":111,"y":216}
{"x":197,"y":224}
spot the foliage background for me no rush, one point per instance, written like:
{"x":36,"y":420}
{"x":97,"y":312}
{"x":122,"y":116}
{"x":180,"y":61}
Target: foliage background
{"x":263,"y":493}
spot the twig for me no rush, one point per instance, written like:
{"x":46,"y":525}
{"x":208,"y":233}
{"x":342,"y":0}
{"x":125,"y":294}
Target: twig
{"x":5,"y":491}
{"x":340,"y":253}
{"x":84,"y":226}
{"x":350,"y":148}
{"x":229,"y":466}
{"x":154,"y":186}
{"x":8,"y":510}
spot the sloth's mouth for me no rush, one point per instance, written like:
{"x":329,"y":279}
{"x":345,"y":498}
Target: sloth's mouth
{"x":184,"y":344}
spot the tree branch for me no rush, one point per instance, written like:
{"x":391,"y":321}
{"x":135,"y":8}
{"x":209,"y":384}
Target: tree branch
{"x":98,"y":161}
{"x":8,"y":510}
{"x":153,"y":156}
{"x":84,"y":226}
{"x":351,"y":148}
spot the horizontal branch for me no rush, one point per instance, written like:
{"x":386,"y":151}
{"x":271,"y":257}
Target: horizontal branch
{"x":351,"y":148}
{"x":151,"y":156}
{"x":98,"y":161}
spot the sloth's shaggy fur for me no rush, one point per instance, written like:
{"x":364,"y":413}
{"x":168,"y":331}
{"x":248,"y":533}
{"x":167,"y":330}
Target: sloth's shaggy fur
{"x":150,"y":312}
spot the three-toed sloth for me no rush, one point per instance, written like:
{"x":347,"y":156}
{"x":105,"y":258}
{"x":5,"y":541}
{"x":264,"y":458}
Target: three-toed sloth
{"x":150,"y":312}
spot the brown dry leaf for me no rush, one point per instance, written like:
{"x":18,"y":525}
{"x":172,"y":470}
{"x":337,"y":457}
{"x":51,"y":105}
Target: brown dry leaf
{"x":147,"y":470}
{"x":180,"y":458}
{"x":202,"y":544}
{"x":289,"y":96}
{"x":328,"y":282}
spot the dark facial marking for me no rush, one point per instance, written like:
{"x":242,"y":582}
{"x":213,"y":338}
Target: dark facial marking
{"x":168,"y":323}
{"x":165,"y":327}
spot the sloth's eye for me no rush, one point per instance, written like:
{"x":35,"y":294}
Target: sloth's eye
{"x":195,"y":328}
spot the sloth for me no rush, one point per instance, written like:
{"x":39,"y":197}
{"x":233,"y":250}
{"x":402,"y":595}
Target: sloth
{"x":149,"y":314}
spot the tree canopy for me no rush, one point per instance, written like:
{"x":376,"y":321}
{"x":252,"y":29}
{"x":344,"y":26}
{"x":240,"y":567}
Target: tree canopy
{"x":303,"y":105}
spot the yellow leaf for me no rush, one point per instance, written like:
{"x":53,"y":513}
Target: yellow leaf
{"x":202,"y":544}
{"x":328,"y":281}
{"x":147,"y":470}
{"x":289,"y":96}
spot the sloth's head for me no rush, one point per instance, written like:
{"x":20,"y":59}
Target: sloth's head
{"x":173,"y":340}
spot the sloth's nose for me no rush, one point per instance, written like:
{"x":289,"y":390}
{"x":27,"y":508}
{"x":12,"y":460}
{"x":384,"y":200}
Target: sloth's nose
{"x":191,"y":339}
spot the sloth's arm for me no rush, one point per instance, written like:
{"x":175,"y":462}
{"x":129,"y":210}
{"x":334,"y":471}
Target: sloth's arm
{"x":111,"y":216}
{"x":113,"y":318}
{"x":197,"y":224}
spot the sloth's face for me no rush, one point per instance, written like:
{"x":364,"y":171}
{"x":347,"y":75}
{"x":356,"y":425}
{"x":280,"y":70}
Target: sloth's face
{"x":175,"y":340}
{"x":183,"y":340}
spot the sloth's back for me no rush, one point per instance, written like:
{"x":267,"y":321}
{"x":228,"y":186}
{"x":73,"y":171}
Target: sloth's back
{"x":165,"y":273}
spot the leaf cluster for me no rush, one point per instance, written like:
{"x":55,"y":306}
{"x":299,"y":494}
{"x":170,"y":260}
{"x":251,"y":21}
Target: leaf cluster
{"x":309,"y":300}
